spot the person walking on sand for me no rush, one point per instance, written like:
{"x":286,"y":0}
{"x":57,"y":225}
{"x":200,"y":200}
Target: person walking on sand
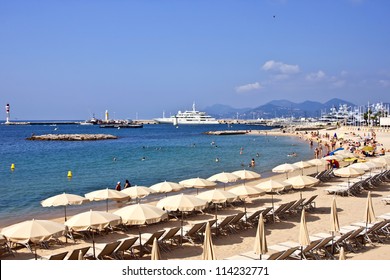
{"x":118,"y":186}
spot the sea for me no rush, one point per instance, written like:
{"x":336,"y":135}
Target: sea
{"x":145,"y":156}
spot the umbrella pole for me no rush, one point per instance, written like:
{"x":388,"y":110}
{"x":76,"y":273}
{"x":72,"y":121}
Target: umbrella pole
{"x":93,"y":244}
{"x":301,"y":252}
{"x":106,"y":205}
{"x":66,"y":236}
{"x":140,"y":242}
{"x":35,"y":251}
{"x":181,"y":228}
{"x":273,"y":208}
{"x":65,"y":212}
{"x":332,"y":242}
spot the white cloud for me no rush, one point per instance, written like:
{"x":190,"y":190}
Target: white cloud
{"x":384,"y":83}
{"x":248,"y":87}
{"x":317,"y":76}
{"x":338,"y":83}
{"x":280,"y":67}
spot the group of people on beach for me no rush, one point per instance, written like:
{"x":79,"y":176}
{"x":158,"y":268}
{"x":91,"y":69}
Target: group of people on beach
{"x":118,"y":186}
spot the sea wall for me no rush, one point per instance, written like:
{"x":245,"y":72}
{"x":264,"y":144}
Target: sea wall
{"x":71,"y":137}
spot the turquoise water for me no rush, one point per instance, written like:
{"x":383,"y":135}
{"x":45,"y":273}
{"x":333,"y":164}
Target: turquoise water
{"x":170,"y":153}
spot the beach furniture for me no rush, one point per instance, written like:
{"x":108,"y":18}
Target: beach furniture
{"x":223,"y":226}
{"x":355,"y":239}
{"x":287,"y":253}
{"x":252,"y":218}
{"x":295,"y":207}
{"x":236,"y":223}
{"x":251,"y":255}
{"x":310,"y":203}
{"x":373,"y":231}
{"x":338,"y":240}
{"x":146,"y":242}
{"x":193,"y":232}
{"x":103,"y":251}
{"x":125,"y":246}
{"x":56,"y":257}
{"x":75,"y":254}
{"x":306,"y":252}
{"x":281,"y":211}
{"x":170,"y":236}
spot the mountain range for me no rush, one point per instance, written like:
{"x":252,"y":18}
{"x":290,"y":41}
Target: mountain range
{"x":276,"y":108}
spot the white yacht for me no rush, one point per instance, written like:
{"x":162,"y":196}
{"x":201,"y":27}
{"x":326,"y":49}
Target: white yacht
{"x":188,"y":117}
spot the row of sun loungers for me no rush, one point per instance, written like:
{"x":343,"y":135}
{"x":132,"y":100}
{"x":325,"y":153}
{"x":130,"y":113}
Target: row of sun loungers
{"x":324,"y":245}
{"x":356,"y":186}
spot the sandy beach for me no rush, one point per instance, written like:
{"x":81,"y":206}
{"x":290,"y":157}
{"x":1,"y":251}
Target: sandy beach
{"x":350,"y":210}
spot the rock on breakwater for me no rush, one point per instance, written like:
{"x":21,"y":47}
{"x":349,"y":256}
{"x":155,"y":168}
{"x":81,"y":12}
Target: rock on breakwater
{"x":71,"y":137}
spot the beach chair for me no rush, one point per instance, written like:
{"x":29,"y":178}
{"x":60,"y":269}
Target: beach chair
{"x":372,"y":231}
{"x":320,"y":251}
{"x":281,"y":210}
{"x":236,"y":223}
{"x":193,"y":233}
{"x":354,"y":241}
{"x":56,"y":257}
{"x":310,"y":203}
{"x":103,"y":251}
{"x":337,"y":242}
{"x":286,"y":252}
{"x":125,"y":246}
{"x":170,"y":236}
{"x":223,"y":226}
{"x":75,"y":254}
{"x":251,"y":255}
{"x":295,"y":207}
{"x":306,"y":252}
{"x":252,"y":218}
{"x":147,"y":242}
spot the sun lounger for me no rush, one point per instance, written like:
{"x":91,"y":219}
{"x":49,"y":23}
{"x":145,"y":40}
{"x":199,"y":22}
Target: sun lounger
{"x":354,"y":241}
{"x":251,"y":255}
{"x":56,"y":257}
{"x":223,"y":226}
{"x":125,"y":246}
{"x":252,"y":218}
{"x":306,"y":252}
{"x":295,"y":207}
{"x":147,"y":242}
{"x":310,"y":203}
{"x":237,"y":222}
{"x":75,"y":254}
{"x":373,"y":231}
{"x":103,"y":251}
{"x":193,"y":233}
{"x":337,"y":242}
{"x":279,"y":209}
{"x":287,"y":252}
{"x":170,"y":236}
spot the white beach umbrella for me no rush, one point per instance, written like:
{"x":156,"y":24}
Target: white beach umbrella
{"x":155,"y":254}
{"x":304,"y":239}
{"x":302,"y":181}
{"x":182,"y":202}
{"x":208,"y":247}
{"x":284,"y":168}
{"x":64,"y":199}
{"x":106,"y":194}
{"x":302,"y":165}
{"x":198,"y":183}
{"x":247,"y":174}
{"x":384,"y":161}
{"x":335,"y":157}
{"x":140,"y":214}
{"x":260,"y":246}
{"x":362,"y":165}
{"x":137,"y":192}
{"x":34,"y":231}
{"x":318,"y":162}
{"x":165,"y":187}
{"x":217,"y":196}
{"x":273,"y":186}
{"x":97,"y":220}
{"x":348,"y":172}
{"x":224,"y":177}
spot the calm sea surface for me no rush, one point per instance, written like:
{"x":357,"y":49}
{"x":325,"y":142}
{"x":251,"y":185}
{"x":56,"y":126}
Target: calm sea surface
{"x":169,"y":153}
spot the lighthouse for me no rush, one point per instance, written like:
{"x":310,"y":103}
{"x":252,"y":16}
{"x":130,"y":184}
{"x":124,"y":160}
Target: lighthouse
{"x":106,"y":116}
{"x":7,"y":114}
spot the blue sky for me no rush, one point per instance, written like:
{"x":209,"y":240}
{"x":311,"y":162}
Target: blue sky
{"x":70,"y":59}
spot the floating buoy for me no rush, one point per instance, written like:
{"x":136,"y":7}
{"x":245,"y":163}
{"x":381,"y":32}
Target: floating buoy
{"x":70,"y":174}
{"x":13,"y":166}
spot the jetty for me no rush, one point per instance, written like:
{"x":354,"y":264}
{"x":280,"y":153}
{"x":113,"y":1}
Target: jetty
{"x":226,"y":132}
{"x":71,"y":137}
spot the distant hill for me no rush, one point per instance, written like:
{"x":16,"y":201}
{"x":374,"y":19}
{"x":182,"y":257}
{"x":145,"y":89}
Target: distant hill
{"x":277,"y":108}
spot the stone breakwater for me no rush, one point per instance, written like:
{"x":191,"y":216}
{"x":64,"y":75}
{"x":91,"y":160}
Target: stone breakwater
{"x":71,"y":137}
